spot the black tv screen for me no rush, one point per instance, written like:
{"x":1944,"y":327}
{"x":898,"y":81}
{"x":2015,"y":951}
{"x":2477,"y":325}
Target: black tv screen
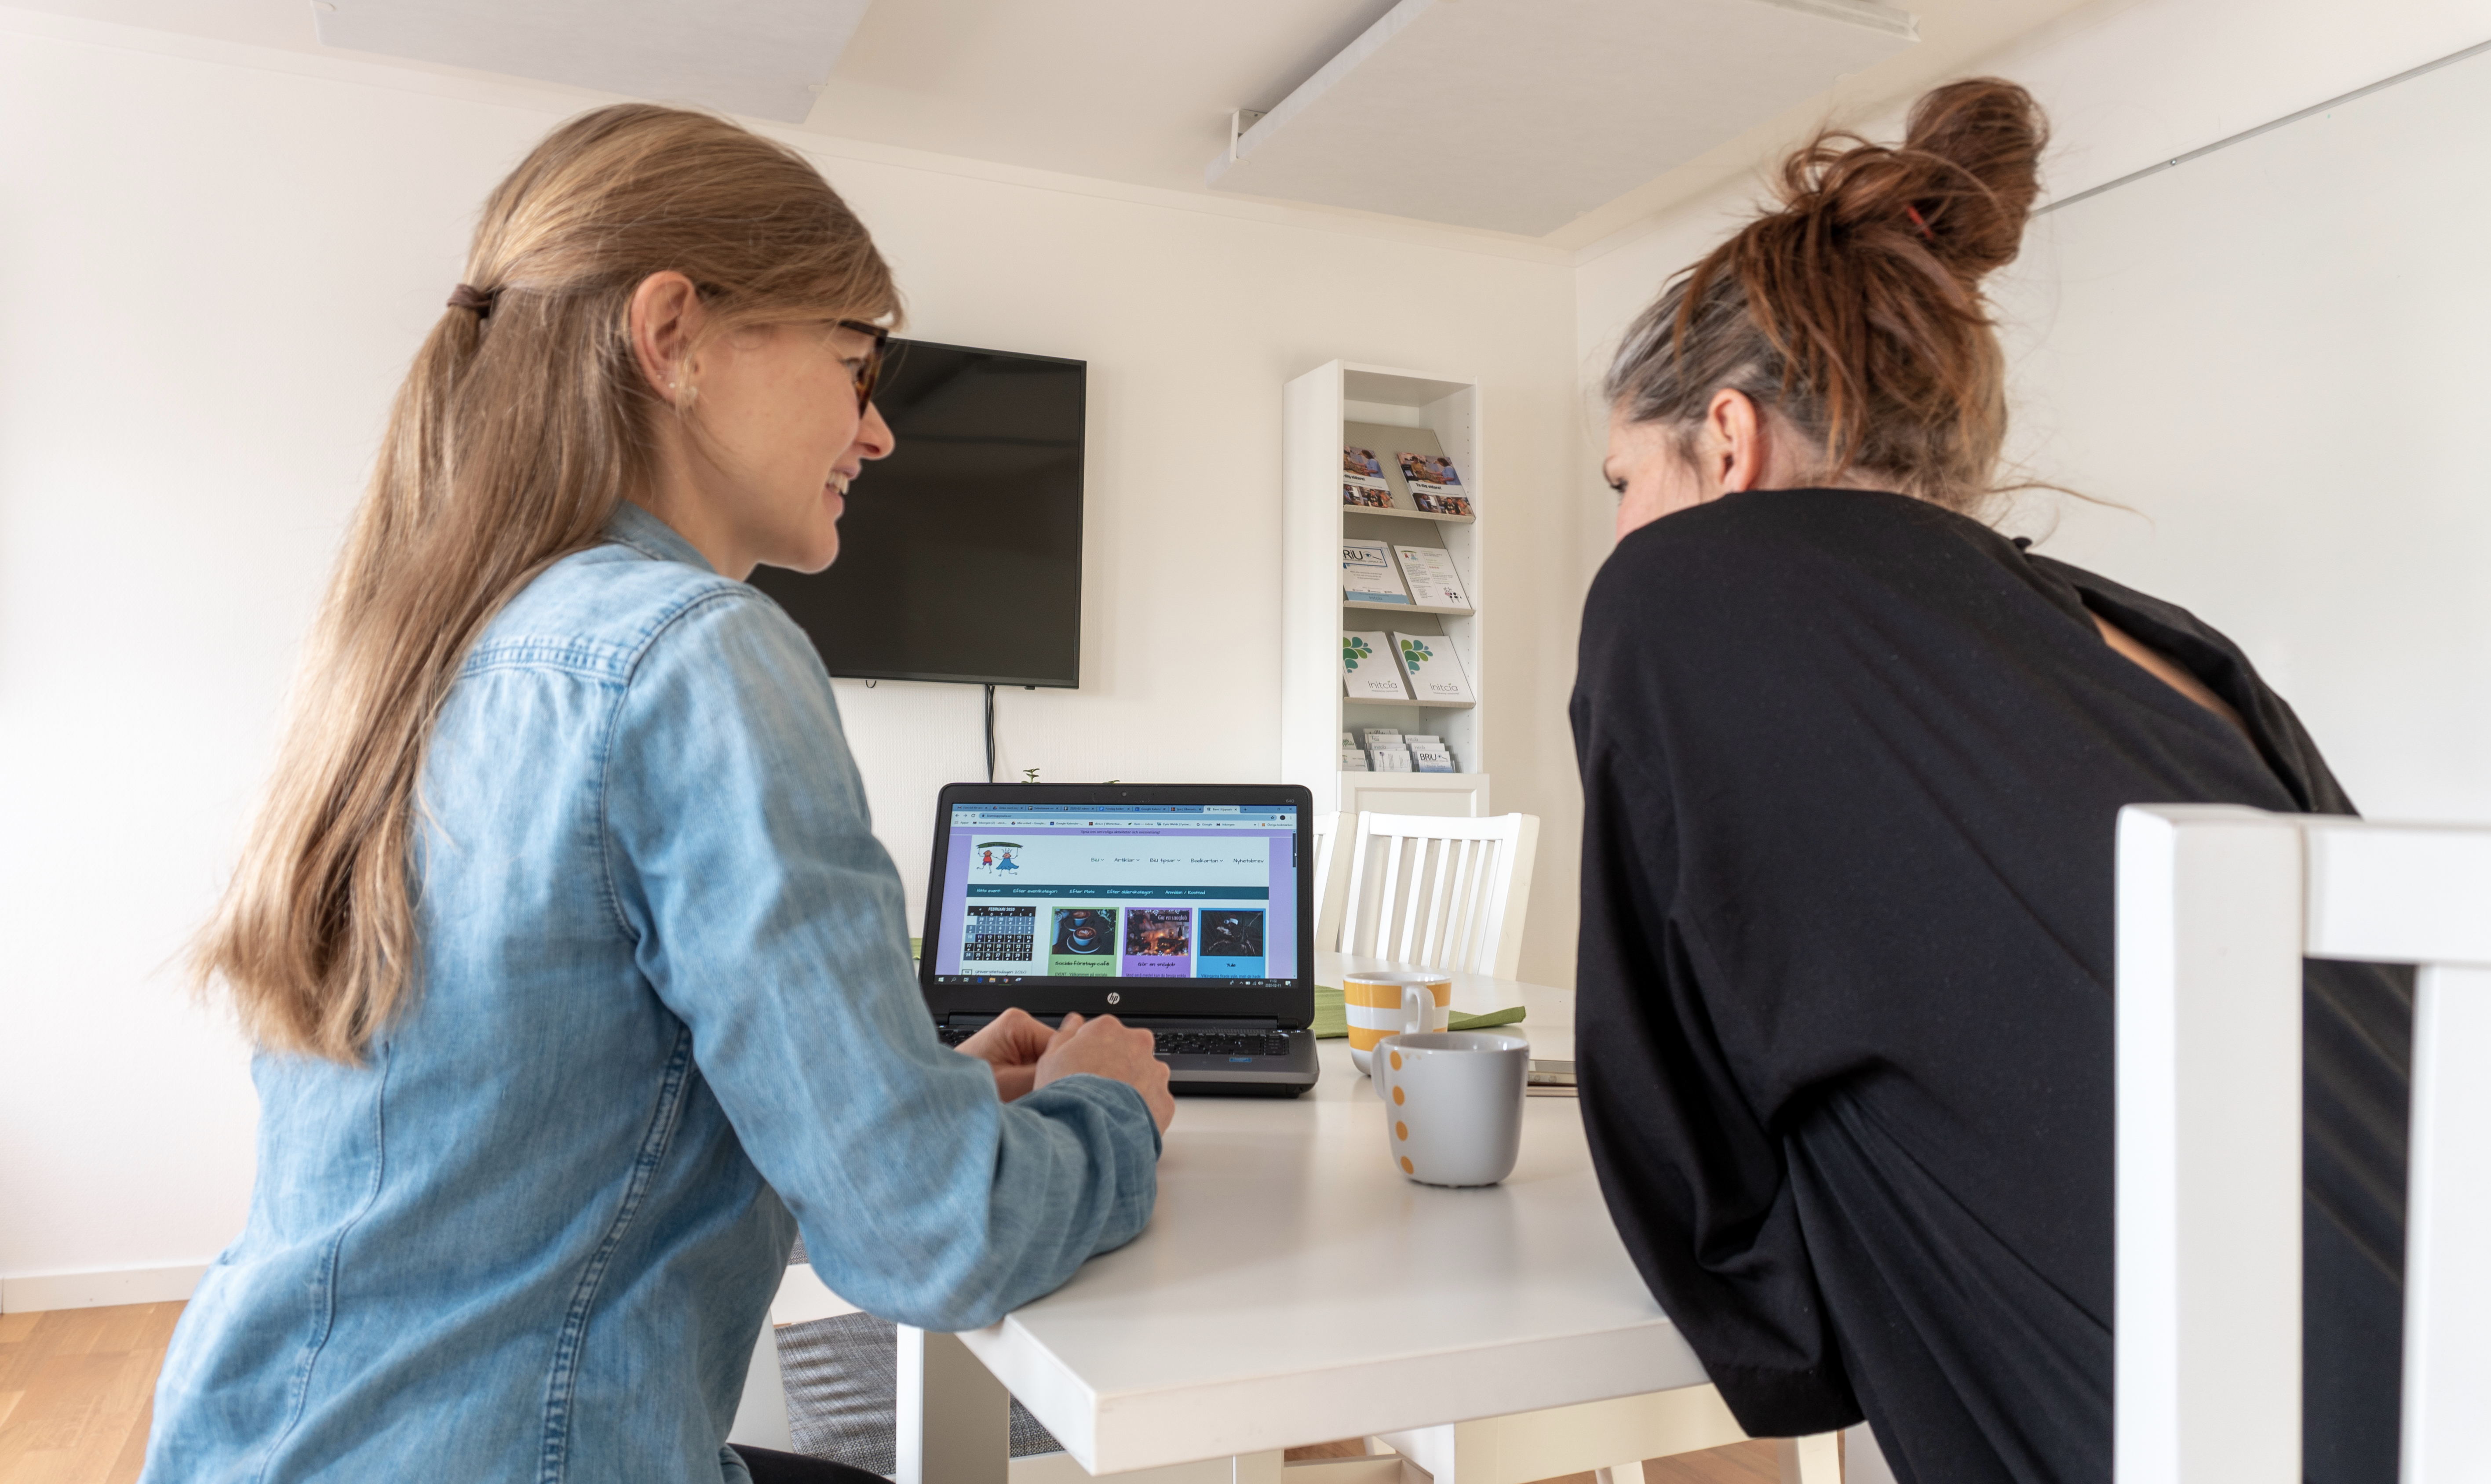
{"x":959,"y":554}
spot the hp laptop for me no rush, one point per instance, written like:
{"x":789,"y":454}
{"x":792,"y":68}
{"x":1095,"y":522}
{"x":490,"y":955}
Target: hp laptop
{"x":1184,"y":909}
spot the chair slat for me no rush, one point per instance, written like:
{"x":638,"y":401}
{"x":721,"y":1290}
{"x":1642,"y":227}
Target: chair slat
{"x":1353,"y":918}
{"x":1408,"y":947}
{"x":1431,"y":945}
{"x":1477,"y":927}
{"x":1384,"y":943}
{"x":1461,"y":912}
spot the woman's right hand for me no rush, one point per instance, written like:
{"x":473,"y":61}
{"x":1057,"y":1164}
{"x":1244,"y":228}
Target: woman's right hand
{"x":1107,"y":1047}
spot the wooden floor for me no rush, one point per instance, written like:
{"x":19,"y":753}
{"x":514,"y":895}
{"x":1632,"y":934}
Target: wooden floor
{"x":77,"y":1387}
{"x":1741,"y":1462}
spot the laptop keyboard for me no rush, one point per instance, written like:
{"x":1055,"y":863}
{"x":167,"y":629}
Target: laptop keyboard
{"x":1222,"y":1044}
{"x":1182,"y":1043}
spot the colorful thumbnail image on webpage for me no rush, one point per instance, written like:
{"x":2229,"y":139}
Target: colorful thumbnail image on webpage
{"x":1084,"y":942}
{"x":1158,"y":943}
{"x":1231,"y":944}
{"x":999,"y":934}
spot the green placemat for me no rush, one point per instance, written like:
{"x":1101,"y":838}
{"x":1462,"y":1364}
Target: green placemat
{"x":1332,"y":1016}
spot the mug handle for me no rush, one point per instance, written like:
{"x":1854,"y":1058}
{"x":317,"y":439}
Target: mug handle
{"x":1418,"y":1006}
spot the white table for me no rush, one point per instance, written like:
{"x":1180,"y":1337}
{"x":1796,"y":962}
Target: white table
{"x":1293,"y":1287}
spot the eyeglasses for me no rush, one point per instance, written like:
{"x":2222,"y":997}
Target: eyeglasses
{"x":870,"y":372}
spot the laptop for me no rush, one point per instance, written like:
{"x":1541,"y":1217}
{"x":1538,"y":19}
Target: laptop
{"x":1186,"y":908}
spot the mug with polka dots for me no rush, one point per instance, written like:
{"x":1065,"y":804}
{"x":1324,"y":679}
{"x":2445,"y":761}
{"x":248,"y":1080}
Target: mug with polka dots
{"x":1453,"y":1104}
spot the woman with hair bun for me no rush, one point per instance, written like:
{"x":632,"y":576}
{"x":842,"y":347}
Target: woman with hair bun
{"x":579,"y":981}
{"x":1851,"y":765}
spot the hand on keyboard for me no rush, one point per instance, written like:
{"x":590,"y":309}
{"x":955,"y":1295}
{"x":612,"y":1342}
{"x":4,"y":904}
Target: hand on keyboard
{"x":1011,"y":1044}
{"x":1107,"y":1047}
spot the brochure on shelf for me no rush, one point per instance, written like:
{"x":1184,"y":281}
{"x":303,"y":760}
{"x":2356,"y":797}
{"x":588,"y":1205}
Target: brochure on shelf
{"x":1362,"y":465}
{"x":1421,"y":745}
{"x":1367,"y":494}
{"x":1430,"y":572}
{"x":1435,"y":485}
{"x":1435,"y":673}
{"x":1368,"y":573}
{"x":1367,"y":672}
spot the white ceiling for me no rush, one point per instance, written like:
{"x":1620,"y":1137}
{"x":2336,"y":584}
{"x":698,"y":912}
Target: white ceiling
{"x":1522,"y":115}
{"x":1139,"y":91}
{"x":759,"y":58}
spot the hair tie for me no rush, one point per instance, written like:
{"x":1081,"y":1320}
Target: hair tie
{"x":1910,"y":210}
{"x":468,"y":296}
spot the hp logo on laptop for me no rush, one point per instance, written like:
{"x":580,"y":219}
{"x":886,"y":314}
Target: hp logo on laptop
{"x":1114,"y":998}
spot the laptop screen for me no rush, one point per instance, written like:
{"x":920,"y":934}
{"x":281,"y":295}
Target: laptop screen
{"x":1131,"y":892}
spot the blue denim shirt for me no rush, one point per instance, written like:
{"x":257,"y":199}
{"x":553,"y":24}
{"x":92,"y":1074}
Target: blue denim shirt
{"x":665,"y":1018}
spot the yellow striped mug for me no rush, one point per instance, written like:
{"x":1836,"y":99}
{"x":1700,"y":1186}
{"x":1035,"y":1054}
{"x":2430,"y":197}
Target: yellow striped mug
{"x":1386,"y":1002}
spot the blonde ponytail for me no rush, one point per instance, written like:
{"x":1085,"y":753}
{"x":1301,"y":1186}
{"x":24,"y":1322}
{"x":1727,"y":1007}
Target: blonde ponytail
{"x":522,"y":424}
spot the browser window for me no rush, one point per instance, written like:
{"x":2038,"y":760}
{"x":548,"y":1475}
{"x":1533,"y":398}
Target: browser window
{"x":1127,"y":891}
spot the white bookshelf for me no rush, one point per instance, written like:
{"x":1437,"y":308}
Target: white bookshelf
{"x":1360,"y":602}
{"x":1341,"y":404}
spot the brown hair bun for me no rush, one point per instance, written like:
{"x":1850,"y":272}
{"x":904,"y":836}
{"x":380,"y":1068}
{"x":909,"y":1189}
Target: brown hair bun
{"x":1854,"y":309}
{"x":1962,"y":182}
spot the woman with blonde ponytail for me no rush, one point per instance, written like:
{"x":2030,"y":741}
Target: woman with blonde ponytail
{"x":1852,"y":764}
{"x":579,"y":981}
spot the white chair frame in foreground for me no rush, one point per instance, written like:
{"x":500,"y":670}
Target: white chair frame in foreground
{"x":2217,"y":906}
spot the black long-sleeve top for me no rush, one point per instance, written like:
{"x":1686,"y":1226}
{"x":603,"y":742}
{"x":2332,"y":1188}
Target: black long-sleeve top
{"x":1851,"y":769}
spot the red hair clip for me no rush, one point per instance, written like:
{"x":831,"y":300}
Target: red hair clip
{"x":1914,"y":213}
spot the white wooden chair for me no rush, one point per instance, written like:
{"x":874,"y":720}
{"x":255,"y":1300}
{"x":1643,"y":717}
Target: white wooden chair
{"x":1329,"y":898}
{"x":1437,"y":891}
{"x":2217,"y":906}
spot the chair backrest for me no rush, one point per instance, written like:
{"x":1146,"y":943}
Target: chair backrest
{"x":2217,"y":906}
{"x":1329,"y":881}
{"x":1437,"y":891}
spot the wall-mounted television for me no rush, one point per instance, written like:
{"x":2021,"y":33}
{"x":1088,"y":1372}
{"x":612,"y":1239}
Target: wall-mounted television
{"x":960,"y":554}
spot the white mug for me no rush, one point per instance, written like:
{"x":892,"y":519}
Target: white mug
{"x":1453,"y":1104}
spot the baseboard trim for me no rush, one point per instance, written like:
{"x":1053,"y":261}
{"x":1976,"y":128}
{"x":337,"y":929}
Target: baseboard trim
{"x":99,"y":1289}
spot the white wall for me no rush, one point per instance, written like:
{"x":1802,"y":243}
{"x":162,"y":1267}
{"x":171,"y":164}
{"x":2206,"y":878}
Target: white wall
{"x":215,"y":261}
{"x":2271,"y":354}
{"x":214,"y":265}
{"x":2278,"y":358}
